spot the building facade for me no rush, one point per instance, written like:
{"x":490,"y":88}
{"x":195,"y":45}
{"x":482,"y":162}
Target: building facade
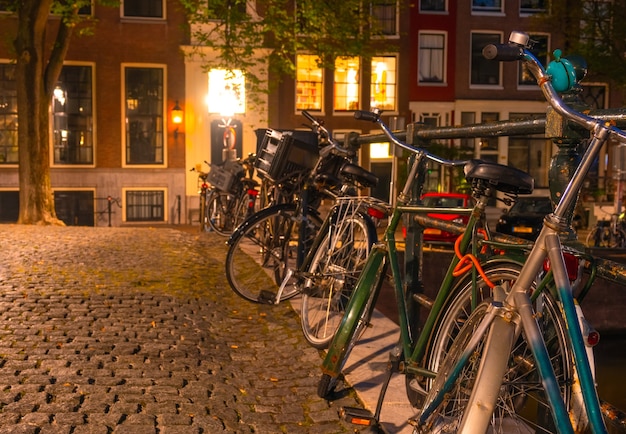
{"x":117,"y":157}
{"x":114,"y":154}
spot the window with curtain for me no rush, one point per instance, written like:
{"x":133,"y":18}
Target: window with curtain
{"x":347,"y":76}
{"x":143,"y":95}
{"x":145,"y":205}
{"x":383,"y":83}
{"x":431,"y":58}
{"x":8,"y":114}
{"x":385,"y":16}
{"x":309,"y":83}
{"x":72,"y":116}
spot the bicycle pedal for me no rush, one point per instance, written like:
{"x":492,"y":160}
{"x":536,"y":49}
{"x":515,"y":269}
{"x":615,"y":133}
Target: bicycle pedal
{"x":358,"y":416}
{"x":266,"y":297}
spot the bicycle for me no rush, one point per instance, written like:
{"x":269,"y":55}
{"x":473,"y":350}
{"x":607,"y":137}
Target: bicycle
{"x":608,"y":234}
{"x":472,"y":384}
{"x":303,"y":254}
{"x":203,"y":192}
{"x":497,"y":265}
{"x":233,"y":197}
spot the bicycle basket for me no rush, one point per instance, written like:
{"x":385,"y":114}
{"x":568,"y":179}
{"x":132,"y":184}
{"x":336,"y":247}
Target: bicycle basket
{"x":224,"y":179}
{"x":280,"y":154}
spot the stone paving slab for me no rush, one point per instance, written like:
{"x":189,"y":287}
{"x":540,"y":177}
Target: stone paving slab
{"x":135,"y":330}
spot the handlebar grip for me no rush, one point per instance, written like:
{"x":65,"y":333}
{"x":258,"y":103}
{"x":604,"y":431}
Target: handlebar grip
{"x":365,"y":116}
{"x":503,"y":52}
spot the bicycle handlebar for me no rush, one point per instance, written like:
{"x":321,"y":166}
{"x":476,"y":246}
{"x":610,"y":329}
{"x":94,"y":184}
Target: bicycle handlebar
{"x":333,"y":147}
{"x":374,"y":116}
{"x":559,"y":70}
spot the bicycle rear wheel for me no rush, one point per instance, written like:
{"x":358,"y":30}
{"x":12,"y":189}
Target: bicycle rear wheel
{"x":219,"y":212}
{"x":332,"y":275}
{"x":261,"y":251}
{"x":521,"y":405}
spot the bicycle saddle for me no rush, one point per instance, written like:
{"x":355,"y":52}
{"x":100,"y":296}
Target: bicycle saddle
{"x":506,"y":179}
{"x":359,"y":175}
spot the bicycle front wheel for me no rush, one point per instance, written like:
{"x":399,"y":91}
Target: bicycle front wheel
{"x":354,"y":321}
{"x":332,"y":276}
{"x":522,"y":404}
{"x":261,"y":251}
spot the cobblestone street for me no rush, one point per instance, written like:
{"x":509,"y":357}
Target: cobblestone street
{"x":135,"y":330}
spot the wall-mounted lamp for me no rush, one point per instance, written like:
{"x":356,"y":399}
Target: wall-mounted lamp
{"x":177,"y":117}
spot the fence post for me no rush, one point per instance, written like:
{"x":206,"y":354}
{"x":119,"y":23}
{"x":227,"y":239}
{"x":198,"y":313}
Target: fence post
{"x":567,"y":158}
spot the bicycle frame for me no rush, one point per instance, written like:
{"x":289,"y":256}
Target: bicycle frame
{"x":504,"y":319}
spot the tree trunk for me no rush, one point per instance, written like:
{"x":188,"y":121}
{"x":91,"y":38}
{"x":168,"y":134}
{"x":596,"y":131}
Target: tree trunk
{"x":36,"y":78}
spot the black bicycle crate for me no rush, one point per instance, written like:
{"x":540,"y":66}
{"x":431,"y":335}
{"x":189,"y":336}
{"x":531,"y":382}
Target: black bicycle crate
{"x":282,"y":153}
{"x":224,"y":177}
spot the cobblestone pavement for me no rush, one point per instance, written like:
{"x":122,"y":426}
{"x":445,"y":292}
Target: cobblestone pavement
{"x":135,"y":330}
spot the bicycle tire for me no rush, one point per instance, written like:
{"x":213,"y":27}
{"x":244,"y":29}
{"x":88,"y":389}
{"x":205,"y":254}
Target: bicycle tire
{"x":332,"y":275}
{"x":218,"y":213}
{"x":354,"y":322}
{"x":262,"y":249}
{"x":522,"y":403}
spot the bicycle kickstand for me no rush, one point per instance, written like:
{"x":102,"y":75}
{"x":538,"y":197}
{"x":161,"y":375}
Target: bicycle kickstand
{"x":363,"y":417}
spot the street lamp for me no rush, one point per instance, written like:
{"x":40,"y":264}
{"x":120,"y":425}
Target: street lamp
{"x":177,"y":117}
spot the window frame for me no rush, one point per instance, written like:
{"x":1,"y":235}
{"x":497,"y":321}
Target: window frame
{"x":387,"y":84}
{"x":488,"y":10}
{"x":53,"y":146}
{"x":529,"y":11}
{"x":13,"y":115}
{"x":431,"y":11}
{"x":125,"y":204}
{"x":483,"y":61}
{"x":345,"y":95}
{"x":396,"y":19}
{"x":444,"y":64}
{"x":320,"y":83}
{"x":163,"y":116}
{"x":522,"y":69}
{"x":163,"y":16}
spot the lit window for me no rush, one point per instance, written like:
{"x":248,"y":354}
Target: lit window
{"x":347,"y":84}
{"x":309,"y":83}
{"x":72,"y":116}
{"x":143,"y":8}
{"x":144,"y":115}
{"x":431,"y":58}
{"x":483,"y":71}
{"x":227,"y":92}
{"x":383,"y":87}
{"x":8,"y":114}
{"x":145,"y":205}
